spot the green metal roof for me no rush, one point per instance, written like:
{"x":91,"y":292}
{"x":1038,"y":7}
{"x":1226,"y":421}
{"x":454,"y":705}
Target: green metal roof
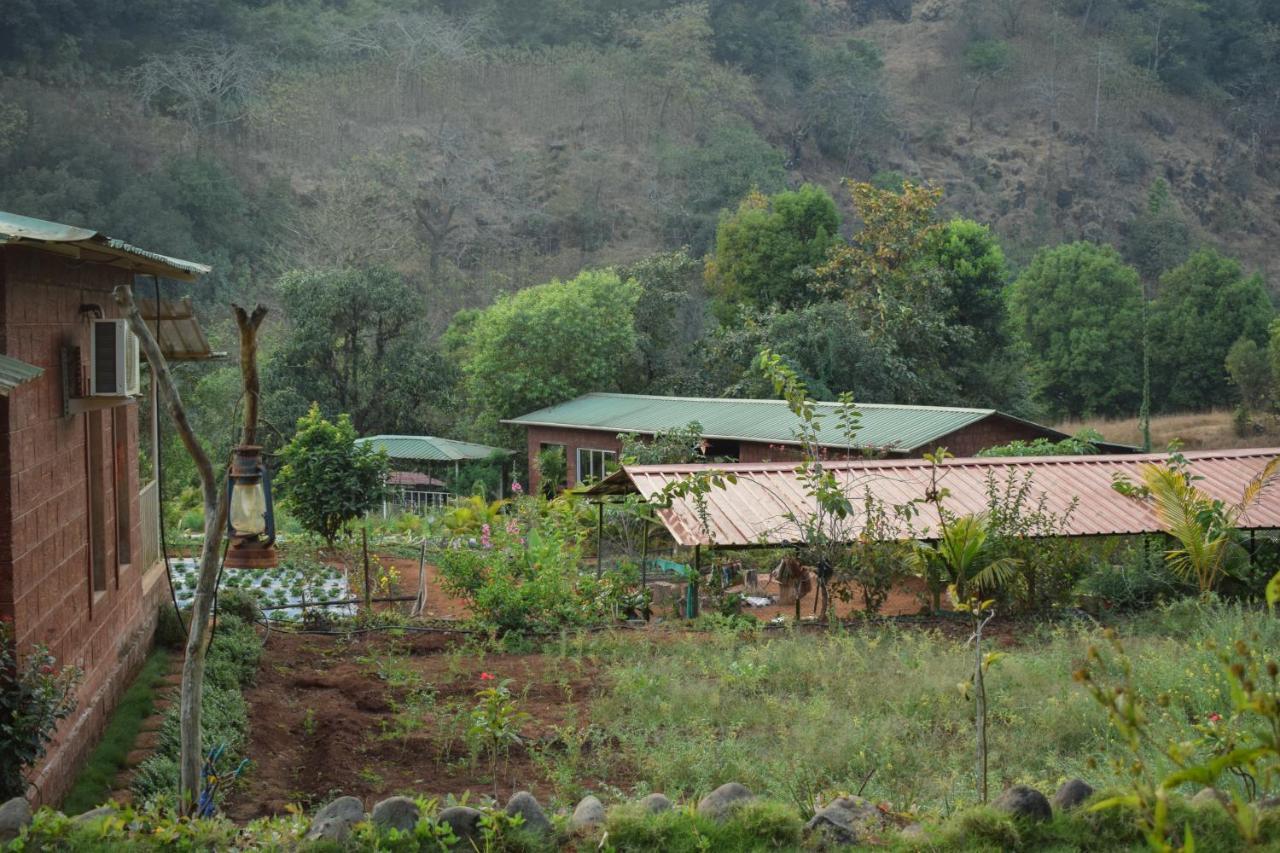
{"x":429,"y":448}
{"x":13,"y":373}
{"x":899,"y":428}
{"x":19,"y":230}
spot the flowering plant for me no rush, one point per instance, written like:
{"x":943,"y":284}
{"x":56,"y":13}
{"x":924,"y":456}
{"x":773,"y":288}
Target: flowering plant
{"x":34,"y":695}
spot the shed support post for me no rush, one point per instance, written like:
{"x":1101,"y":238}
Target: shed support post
{"x":599,"y":539}
{"x":644,"y":554}
{"x":691,"y":596}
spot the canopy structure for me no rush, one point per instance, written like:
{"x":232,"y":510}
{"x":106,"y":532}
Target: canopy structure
{"x":14,"y":372}
{"x":85,"y":244}
{"x":174,"y":325}
{"x":760,"y":508}
{"x":430,"y":448}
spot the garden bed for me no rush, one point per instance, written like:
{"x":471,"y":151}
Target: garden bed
{"x":285,"y":589}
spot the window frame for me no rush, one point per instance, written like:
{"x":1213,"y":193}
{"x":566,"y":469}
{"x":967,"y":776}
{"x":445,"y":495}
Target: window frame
{"x":605,"y":456}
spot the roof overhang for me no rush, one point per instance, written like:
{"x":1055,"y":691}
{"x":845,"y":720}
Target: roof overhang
{"x":173,"y":324}
{"x":14,"y":373}
{"x":83,"y":244}
{"x":759,"y":507}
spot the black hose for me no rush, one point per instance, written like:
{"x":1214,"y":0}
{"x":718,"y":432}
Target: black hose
{"x":164,"y":539}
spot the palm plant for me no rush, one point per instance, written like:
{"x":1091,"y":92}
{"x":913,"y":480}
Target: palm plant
{"x":471,"y":515}
{"x":1205,"y":527}
{"x":965,"y":553}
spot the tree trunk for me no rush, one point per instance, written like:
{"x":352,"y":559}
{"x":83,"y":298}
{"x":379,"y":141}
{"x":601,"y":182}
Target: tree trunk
{"x":248,"y":325}
{"x":215,"y":520}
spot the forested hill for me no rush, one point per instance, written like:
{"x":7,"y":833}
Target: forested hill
{"x":476,"y":147}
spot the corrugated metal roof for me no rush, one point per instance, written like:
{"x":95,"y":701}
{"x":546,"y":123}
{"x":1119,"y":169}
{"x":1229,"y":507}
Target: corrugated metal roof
{"x":429,"y":448}
{"x":896,"y":428}
{"x":180,"y":336}
{"x":26,"y":230}
{"x":14,"y":372}
{"x":756,"y":509}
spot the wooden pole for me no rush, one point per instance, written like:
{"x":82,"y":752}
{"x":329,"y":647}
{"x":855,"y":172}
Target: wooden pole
{"x":421,"y":603}
{"x":368,"y":590}
{"x":215,"y":521}
{"x":599,"y":539}
{"x":248,"y":325}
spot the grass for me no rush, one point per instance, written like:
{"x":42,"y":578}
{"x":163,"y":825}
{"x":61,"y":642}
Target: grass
{"x":1196,"y":430}
{"x":97,"y":778}
{"x":800,"y":717}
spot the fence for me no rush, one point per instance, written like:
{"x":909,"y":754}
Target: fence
{"x":149,"y":523}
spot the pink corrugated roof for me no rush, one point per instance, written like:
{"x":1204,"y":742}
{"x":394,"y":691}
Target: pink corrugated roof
{"x":758,"y":508}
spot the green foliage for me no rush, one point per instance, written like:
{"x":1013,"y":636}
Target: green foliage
{"x":671,"y":320}
{"x":847,"y":103}
{"x":356,"y":345}
{"x":1141,"y":579}
{"x":666,"y":447}
{"x":553,"y":470}
{"x":767,"y":251}
{"x":328,"y":479}
{"x":550,"y":343}
{"x":1200,"y":310}
{"x":756,"y":826}
{"x":764,"y":37}
{"x":1250,"y":372}
{"x":97,"y":778}
{"x":1158,"y":238}
{"x":35,"y":694}
{"x":1079,"y":308}
{"x":708,"y":177}
{"x":1081,"y":444}
{"x":496,"y":720}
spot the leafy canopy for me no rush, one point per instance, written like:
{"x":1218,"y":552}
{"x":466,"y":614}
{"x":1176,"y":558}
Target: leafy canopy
{"x":328,"y":479}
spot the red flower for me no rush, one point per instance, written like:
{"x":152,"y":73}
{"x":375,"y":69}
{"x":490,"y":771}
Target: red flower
{"x":1213,"y":718}
{"x":487,"y":676}
{"x":46,"y":670}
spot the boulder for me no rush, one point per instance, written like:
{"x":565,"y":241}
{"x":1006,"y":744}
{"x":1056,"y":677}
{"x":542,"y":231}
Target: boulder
{"x":465,"y":823}
{"x":1206,"y":796}
{"x":1021,"y":801}
{"x":93,"y":814}
{"x":655,"y":803}
{"x":396,"y":813}
{"x":723,"y":800}
{"x":1072,"y":793}
{"x":845,"y":821}
{"x":526,"y":805}
{"x":334,"y":821}
{"x":588,"y":815}
{"x":14,"y":815}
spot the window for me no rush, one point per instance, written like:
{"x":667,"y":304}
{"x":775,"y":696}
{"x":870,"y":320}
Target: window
{"x":123,"y":486}
{"x":595,"y":465}
{"x":95,"y":461}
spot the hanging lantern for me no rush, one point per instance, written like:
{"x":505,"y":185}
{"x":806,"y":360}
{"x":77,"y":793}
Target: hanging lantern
{"x":251,"y":523}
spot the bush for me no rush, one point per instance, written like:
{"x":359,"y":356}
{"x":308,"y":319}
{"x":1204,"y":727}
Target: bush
{"x":1142,"y":580}
{"x":34,"y":696}
{"x":759,"y":825}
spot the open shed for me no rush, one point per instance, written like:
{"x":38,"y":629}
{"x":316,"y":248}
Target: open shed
{"x":756,"y":509}
{"x":422,"y":461}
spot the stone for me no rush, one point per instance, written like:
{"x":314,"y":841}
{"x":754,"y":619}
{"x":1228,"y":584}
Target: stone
{"x":526,"y":805}
{"x":723,"y":800}
{"x":845,"y":821}
{"x":396,"y":813}
{"x":1206,"y":796}
{"x":14,"y":815}
{"x":655,"y":803}
{"x":588,"y":815}
{"x":914,"y":832}
{"x":334,"y":821}
{"x":1024,"y":802}
{"x":1072,"y":793}
{"x":465,"y":823}
{"x":93,"y":814}
{"x":1267,"y":803}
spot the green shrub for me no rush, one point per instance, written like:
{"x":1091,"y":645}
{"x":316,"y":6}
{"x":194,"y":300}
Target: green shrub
{"x":1141,"y":581}
{"x":758,"y":825}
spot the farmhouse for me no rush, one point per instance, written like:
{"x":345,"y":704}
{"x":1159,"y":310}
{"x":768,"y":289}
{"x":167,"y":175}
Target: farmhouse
{"x":587,"y":429}
{"x":78,"y":534}
{"x":420,"y":462}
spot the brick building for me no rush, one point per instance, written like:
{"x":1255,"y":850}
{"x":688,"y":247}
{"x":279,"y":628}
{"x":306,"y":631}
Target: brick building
{"x":587,"y":428}
{"x":78,"y":530}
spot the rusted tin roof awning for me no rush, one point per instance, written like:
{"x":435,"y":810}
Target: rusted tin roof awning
{"x":176,"y":329}
{"x":88,"y":245}
{"x":757,"y":509}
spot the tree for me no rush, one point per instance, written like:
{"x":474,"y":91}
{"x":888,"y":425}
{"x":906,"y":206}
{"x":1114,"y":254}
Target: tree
{"x":1250,"y":372}
{"x":1158,"y":238}
{"x":973,"y":270}
{"x":768,"y":250}
{"x":761,"y":36}
{"x":671,"y":319}
{"x":985,"y":61}
{"x":549,"y":343}
{"x":328,"y":479}
{"x":356,"y":345}
{"x":1078,"y":307}
{"x":1201,"y":309}
{"x":845,"y":107}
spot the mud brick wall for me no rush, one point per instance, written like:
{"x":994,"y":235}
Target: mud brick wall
{"x":45,"y":585}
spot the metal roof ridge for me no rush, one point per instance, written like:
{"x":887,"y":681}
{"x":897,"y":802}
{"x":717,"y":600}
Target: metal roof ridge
{"x":624,"y":395}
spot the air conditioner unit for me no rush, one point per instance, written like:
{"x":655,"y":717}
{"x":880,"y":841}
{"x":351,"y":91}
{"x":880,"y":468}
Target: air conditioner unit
{"x":113,"y":360}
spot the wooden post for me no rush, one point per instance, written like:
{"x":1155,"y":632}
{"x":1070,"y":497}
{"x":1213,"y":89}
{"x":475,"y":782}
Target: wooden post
{"x":644,"y":555}
{"x":368,"y":590}
{"x":248,"y":325}
{"x":599,"y":539}
{"x":215,"y":521}
{"x":421,"y":603}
